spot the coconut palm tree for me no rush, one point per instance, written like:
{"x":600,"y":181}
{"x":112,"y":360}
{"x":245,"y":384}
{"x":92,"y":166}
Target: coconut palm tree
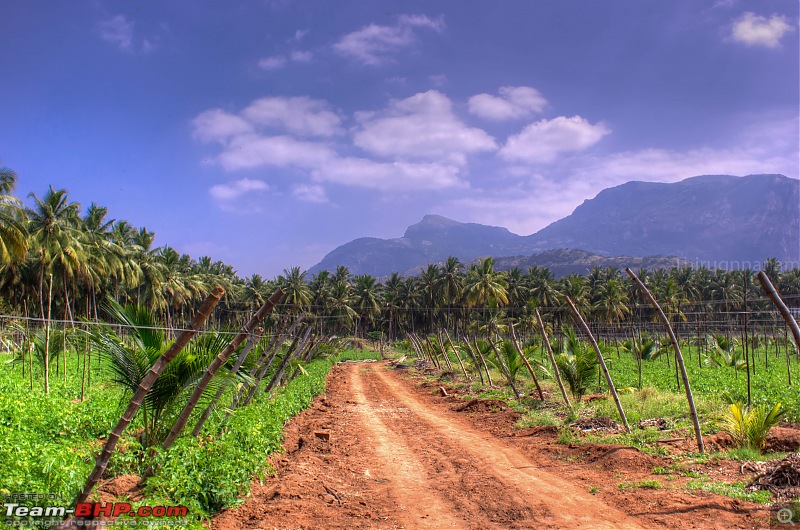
{"x":130,"y":359}
{"x":484,"y":286}
{"x":576,"y":361}
{"x":13,"y":233}
{"x":542,"y":287}
{"x":428,"y":283}
{"x":57,"y":242}
{"x":450,"y":286}
{"x":298,"y":293}
{"x":365,"y":297}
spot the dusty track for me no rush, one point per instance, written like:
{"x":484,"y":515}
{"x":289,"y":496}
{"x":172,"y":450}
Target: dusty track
{"x":377,"y":452}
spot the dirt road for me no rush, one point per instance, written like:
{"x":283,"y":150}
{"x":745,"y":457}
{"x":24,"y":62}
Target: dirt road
{"x":379,"y":452}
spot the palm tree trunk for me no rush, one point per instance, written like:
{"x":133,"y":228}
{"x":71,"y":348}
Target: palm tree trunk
{"x":475,"y":361}
{"x":434,"y":351}
{"x":310,"y":351}
{"x":138,"y":397}
{"x":261,"y":367}
{"x":47,"y":339}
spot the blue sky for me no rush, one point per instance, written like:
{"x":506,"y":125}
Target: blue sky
{"x":267,"y":133}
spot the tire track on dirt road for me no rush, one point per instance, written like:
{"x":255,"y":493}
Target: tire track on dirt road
{"x":419,"y":505}
{"x":477,"y":473}
{"x":378,"y":453}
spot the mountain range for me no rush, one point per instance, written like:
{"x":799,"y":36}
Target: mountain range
{"x":711,"y":219}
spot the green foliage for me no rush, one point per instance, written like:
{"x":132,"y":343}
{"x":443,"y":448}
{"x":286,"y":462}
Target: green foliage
{"x":749,"y":427}
{"x":650,"y":402}
{"x":130,"y":359}
{"x":509,"y":356}
{"x":577,"y":363}
{"x":735,"y":490}
{"x":536,"y":418}
{"x":211,"y":472}
{"x":50,"y":441}
{"x":648,"y":484}
{"x":59,"y":341}
{"x":709,"y":384}
{"x":645,"y":349}
{"x":723,"y":352}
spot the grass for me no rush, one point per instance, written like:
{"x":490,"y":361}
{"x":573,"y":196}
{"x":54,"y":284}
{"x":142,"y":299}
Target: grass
{"x":537,"y":418}
{"x":748,"y":454}
{"x":735,"y":490}
{"x":647,"y":484}
{"x":50,"y":441}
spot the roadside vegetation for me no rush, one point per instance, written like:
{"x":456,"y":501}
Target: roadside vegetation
{"x":88,"y":305}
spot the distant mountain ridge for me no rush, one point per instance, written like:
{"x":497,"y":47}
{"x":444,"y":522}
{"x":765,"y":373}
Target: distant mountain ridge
{"x":711,"y":218}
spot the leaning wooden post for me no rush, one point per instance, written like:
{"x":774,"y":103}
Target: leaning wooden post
{"x":483,"y":361}
{"x":580,"y":321}
{"x":441,"y":349}
{"x":144,"y":387}
{"x":527,"y":364}
{"x":474,"y":360}
{"x":216,"y":364}
{"x":259,"y":371}
{"x":292,"y":353}
{"x":678,"y":358}
{"x":553,"y":360}
{"x":784,"y":311}
{"x":252,"y":341}
{"x":455,"y":351}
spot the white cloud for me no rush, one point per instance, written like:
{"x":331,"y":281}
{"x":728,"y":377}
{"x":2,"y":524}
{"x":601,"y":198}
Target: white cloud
{"x":310,"y":193}
{"x":237,"y":188}
{"x":755,"y":30}
{"x":388,"y":176}
{"x":276,"y":62}
{"x":251,"y":151}
{"x":438,"y":80}
{"x":421,"y":126}
{"x":218,"y":125}
{"x":301,"y":56}
{"x":544,"y":140}
{"x":299,"y":115}
{"x":514,"y":102}
{"x":663,"y":165}
{"x":118,"y":31}
{"x":149,"y":45}
{"x":372,"y":44}
{"x":768,"y":146}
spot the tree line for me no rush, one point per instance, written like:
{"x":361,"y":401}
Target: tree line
{"x":60,"y":261}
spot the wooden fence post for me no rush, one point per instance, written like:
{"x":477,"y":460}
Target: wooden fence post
{"x":215,"y":365}
{"x":784,"y":311}
{"x":549,"y":350}
{"x":579,"y":319}
{"x":144,"y":386}
{"x":678,"y":358}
